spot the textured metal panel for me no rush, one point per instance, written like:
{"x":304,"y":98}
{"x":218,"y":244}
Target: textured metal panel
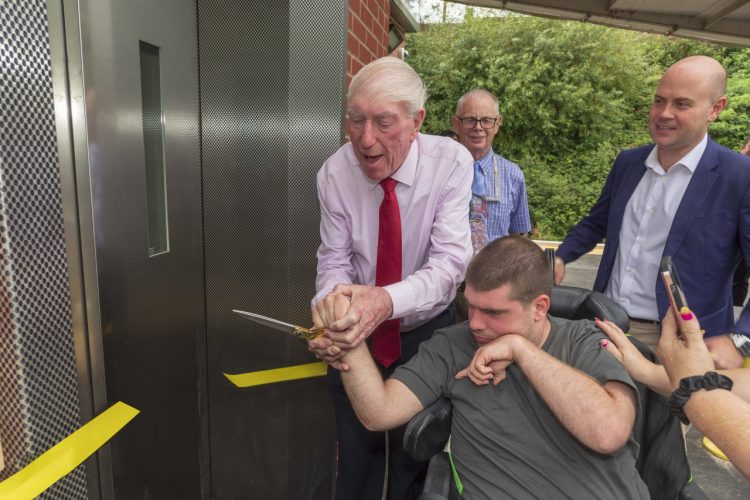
{"x":151,"y":308}
{"x":272,"y":82}
{"x":38,"y":391}
{"x":317,"y":68}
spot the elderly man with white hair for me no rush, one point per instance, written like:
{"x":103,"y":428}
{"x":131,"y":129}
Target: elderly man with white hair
{"x":395,"y":244}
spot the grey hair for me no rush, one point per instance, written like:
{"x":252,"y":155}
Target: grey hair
{"x":389,"y":79}
{"x":478,"y":92}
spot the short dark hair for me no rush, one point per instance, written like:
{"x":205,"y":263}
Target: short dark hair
{"x":511,"y":260}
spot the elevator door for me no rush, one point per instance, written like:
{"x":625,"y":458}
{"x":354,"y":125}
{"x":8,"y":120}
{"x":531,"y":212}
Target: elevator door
{"x":142,"y":123}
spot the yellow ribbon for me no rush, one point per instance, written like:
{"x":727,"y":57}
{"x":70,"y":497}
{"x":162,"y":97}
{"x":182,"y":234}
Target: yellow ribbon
{"x":278,"y":374}
{"x":66,"y":455}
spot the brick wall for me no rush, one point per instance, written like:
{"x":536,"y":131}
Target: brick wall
{"x":368,"y":33}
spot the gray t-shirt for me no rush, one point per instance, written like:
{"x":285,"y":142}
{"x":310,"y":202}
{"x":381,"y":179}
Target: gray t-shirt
{"x":505,"y":441}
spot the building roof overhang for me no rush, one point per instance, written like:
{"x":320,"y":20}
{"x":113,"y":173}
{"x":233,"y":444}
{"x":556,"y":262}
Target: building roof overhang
{"x":720,"y":21}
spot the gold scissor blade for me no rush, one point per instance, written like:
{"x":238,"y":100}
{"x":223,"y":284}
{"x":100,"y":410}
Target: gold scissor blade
{"x":309,"y":333}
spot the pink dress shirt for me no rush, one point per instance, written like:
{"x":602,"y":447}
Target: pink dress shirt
{"x":433,"y":191}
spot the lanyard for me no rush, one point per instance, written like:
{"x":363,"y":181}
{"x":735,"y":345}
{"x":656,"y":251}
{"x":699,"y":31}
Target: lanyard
{"x":495,"y":196}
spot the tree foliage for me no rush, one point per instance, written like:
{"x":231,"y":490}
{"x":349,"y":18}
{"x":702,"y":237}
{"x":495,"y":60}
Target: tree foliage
{"x":571,"y":94}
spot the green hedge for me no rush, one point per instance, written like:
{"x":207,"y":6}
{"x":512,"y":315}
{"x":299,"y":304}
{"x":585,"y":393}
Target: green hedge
{"x":572,"y":95}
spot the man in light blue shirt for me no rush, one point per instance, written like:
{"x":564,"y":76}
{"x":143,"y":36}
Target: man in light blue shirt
{"x":498,"y":204}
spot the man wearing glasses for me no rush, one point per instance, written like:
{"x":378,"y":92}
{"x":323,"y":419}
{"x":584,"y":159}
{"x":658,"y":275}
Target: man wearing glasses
{"x":498,"y":202}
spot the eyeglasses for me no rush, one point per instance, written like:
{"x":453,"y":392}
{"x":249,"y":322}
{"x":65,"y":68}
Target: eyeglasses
{"x":484,"y":122}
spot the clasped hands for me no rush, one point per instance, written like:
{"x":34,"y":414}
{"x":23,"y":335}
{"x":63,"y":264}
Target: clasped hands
{"x":350,"y":313}
{"x":491,"y":361}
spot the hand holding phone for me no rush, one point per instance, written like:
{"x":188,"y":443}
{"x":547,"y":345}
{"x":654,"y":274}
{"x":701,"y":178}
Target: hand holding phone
{"x":675,"y":292}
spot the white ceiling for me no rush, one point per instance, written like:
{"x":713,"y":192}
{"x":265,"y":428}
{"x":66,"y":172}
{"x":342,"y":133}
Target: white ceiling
{"x":723,"y":21}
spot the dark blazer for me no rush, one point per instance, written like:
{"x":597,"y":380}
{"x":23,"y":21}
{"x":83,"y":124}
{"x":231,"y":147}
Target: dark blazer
{"x":710,"y":233}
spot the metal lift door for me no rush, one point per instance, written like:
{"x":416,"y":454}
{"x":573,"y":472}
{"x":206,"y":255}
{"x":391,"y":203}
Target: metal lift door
{"x":142,"y":124}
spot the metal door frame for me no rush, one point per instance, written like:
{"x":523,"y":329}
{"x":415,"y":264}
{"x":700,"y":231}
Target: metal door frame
{"x":69,"y":96}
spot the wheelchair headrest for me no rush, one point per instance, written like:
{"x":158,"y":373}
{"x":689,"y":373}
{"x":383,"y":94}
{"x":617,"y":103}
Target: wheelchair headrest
{"x":578,"y":303}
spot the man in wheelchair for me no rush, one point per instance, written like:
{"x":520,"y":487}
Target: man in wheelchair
{"x":540,"y":409}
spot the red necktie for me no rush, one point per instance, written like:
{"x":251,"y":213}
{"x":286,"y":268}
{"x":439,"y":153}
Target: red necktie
{"x":386,"y":339}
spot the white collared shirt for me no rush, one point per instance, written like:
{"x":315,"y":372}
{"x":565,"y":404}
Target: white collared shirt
{"x":433,"y":192}
{"x":645,"y":226}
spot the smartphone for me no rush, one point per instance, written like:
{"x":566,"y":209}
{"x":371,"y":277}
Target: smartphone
{"x":672,"y":283}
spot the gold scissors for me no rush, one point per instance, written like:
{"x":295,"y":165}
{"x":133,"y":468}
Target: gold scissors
{"x":297,"y":331}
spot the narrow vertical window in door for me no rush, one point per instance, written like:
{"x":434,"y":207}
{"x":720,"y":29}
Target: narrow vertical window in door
{"x":153,"y":143}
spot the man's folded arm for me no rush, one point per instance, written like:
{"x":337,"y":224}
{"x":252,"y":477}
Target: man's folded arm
{"x":601,"y":416}
{"x":379,"y":405}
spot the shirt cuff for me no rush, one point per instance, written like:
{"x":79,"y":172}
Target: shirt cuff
{"x":318,"y":297}
{"x":402,"y":297}
{"x":563,"y":252}
{"x":327,"y":288}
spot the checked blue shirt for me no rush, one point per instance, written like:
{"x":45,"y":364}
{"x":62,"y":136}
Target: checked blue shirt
{"x":505,"y":195}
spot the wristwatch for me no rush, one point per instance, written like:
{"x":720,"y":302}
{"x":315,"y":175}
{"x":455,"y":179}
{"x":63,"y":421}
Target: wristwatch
{"x":741,"y":342}
{"x":688,"y":385}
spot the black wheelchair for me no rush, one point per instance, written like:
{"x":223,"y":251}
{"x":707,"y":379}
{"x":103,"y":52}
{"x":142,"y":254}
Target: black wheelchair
{"x":662,"y":461}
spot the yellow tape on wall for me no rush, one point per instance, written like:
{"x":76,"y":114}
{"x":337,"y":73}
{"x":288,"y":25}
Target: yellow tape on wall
{"x":278,"y":375}
{"x":66,"y":455}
